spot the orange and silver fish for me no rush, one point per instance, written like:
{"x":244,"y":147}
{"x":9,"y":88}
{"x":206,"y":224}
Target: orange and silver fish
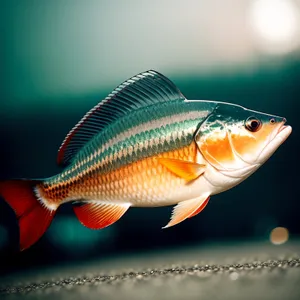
{"x":146,"y":145}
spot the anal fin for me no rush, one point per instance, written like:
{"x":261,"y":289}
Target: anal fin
{"x":187,"y":209}
{"x":97,"y":215}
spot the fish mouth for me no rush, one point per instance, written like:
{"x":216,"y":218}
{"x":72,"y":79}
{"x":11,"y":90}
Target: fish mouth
{"x":281,"y":135}
{"x":283,"y":127}
{"x":284,"y":132}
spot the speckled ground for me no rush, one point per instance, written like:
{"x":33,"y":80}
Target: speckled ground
{"x":243,"y":271}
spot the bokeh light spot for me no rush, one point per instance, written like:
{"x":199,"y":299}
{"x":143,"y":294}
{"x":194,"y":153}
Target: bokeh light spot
{"x":275,"y":24}
{"x":279,"y":235}
{"x":234,"y":276}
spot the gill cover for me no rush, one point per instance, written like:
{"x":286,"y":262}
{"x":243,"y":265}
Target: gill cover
{"x":233,"y":137}
{"x":214,"y":142}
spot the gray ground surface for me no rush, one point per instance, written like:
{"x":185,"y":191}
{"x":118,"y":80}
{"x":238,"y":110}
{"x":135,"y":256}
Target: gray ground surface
{"x":242,"y":271}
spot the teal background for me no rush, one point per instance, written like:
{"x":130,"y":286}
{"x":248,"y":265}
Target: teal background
{"x":60,"y":58}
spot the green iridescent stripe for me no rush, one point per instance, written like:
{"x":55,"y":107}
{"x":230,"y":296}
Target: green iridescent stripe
{"x":163,"y":146}
{"x":138,"y":118}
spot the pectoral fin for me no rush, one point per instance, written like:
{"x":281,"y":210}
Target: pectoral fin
{"x":184,"y":169}
{"x":200,"y":208}
{"x":187,"y":209}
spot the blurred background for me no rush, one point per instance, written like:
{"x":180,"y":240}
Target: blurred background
{"x":60,"y":58}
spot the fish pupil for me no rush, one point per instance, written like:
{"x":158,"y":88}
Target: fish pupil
{"x":253,"y":124}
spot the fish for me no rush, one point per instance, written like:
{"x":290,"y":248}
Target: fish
{"x":146,"y":145}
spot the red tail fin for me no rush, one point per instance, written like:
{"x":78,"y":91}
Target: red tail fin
{"x":33,"y":217}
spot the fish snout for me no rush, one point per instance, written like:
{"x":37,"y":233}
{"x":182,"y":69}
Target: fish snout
{"x":278,"y":123}
{"x":277,"y":120}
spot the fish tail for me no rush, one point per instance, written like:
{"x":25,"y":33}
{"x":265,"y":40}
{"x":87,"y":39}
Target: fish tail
{"x":33,"y":216}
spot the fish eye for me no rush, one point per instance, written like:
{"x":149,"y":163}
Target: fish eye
{"x":253,"y":124}
{"x":272,"y":121}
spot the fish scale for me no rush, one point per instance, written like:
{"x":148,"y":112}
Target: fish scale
{"x":133,"y":182}
{"x":104,"y":182}
{"x":145,"y":143}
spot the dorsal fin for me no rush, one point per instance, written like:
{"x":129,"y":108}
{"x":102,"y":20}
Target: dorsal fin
{"x":141,"y":90}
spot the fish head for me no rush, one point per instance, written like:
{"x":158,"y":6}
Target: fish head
{"x":236,"y":140}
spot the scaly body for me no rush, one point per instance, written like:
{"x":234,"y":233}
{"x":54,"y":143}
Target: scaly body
{"x":121,"y":165}
{"x":144,"y":182}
